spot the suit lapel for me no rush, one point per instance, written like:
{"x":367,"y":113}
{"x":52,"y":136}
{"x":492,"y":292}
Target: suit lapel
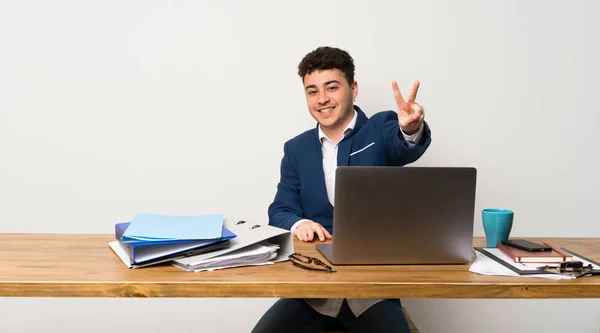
{"x":343,"y":157}
{"x":345,"y":146}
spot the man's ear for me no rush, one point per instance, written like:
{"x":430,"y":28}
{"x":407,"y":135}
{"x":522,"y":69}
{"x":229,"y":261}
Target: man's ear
{"x":354,"y":88}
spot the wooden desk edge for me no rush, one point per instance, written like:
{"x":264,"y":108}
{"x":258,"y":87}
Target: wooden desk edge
{"x":283,"y":290}
{"x":160,"y":286}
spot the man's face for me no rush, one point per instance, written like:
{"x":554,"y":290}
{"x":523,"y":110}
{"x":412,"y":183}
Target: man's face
{"x":329,"y":98}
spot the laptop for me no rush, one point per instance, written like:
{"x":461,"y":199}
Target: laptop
{"x":402,"y":215}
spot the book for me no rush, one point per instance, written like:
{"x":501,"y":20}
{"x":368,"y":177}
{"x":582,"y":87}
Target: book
{"x":543,"y":257}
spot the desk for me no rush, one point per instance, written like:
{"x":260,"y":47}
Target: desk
{"x":70,"y":265}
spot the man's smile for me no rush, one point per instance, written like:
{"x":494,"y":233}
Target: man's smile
{"x":326,"y":111}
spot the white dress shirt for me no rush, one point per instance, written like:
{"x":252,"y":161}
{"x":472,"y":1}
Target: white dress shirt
{"x":331,"y":306}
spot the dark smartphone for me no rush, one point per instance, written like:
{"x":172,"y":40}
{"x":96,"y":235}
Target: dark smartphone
{"x":527,"y":245}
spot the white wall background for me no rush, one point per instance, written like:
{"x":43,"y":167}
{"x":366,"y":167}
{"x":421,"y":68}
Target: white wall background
{"x":108,"y":108}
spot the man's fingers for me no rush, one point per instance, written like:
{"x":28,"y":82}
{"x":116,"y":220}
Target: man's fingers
{"x":413,"y":93}
{"x":418,"y":109}
{"x":326,"y":233}
{"x":418,"y":113}
{"x":397,"y":93}
{"x":319,"y":231}
{"x":309,"y":234}
{"x":418,"y":117}
{"x":302,"y":233}
{"x":415,"y":118}
{"x":414,"y":111}
{"x":412,"y":121}
{"x":306,"y":232}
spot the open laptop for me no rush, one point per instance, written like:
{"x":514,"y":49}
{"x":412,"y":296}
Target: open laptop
{"x":402,"y":215}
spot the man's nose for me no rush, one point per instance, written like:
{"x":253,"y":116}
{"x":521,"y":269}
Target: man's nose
{"x":323,"y":97}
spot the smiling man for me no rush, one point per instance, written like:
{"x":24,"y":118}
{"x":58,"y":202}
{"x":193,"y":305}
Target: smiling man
{"x":343,"y":136}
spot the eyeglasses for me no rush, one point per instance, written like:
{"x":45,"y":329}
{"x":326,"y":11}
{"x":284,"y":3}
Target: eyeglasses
{"x":310,"y":263}
{"x":572,"y":268}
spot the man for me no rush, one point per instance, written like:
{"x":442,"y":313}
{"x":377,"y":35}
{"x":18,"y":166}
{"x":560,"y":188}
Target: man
{"x":305,"y":194}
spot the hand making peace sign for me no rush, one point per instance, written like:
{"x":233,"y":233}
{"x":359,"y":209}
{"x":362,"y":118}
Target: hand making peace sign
{"x":410,"y":114}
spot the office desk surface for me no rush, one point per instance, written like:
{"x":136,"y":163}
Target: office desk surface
{"x":71,"y":265}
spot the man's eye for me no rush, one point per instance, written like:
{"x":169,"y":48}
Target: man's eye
{"x":311,"y":92}
{"x":332,"y":88}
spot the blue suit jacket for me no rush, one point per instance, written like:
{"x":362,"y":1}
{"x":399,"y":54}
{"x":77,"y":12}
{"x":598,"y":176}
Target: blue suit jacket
{"x":301,"y":192}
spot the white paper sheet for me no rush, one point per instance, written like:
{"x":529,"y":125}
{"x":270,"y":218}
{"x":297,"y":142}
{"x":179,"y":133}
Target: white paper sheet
{"x":487,"y":266}
{"x":256,"y":254}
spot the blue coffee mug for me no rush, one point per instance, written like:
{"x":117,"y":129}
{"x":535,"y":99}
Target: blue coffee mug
{"x":497,"y":224}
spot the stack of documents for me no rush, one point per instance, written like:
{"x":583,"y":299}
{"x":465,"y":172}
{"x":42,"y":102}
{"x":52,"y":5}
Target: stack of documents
{"x":199,"y":243}
{"x":253,"y":245}
{"x":492,"y":261}
{"x":151,"y":239}
{"x":256,"y":254}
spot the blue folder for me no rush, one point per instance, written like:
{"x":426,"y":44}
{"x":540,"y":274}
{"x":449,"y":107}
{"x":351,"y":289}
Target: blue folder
{"x":156,"y":227}
{"x":144,"y":252}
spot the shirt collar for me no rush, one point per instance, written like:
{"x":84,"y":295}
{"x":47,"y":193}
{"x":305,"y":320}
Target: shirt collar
{"x":347,"y":130}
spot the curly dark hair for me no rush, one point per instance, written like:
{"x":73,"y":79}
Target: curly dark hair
{"x":326,"y":57}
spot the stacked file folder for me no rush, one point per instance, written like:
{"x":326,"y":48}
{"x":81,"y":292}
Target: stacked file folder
{"x":151,"y":239}
{"x":252,"y":255}
{"x":198,"y":243}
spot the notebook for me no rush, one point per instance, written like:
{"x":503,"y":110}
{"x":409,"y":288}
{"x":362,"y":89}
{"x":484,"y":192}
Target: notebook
{"x":543,"y":257}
